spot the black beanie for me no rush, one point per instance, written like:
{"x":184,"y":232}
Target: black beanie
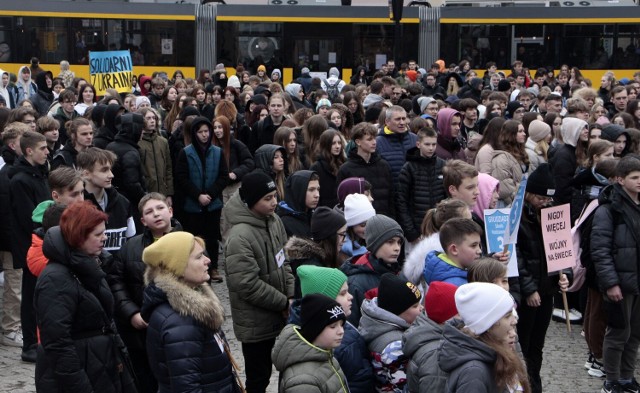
{"x":541,"y":181}
{"x":256,"y":185}
{"x":326,"y":222}
{"x":504,"y":85}
{"x":396,"y":295}
{"x":316,"y":312}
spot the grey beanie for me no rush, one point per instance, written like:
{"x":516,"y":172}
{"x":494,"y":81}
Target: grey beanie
{"x":381,"y":228}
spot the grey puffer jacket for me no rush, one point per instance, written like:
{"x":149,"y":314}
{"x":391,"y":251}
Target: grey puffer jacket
{"x":614,"y":241}
{"x":259,"y":289}
{"x":305,"y":368}
{"x":420,"y":344}
{"x":468,"y":361}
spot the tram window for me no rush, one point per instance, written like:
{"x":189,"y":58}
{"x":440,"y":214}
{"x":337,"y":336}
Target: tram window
{"x":586,"y":30}
{"x":369,"y":41}
{"x":254,"y":51}
{"x":528,"y":30}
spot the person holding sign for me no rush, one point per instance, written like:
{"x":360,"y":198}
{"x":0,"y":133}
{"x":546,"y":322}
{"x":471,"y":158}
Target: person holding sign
{"x":614,"y":249}
{"x":537,"y":288}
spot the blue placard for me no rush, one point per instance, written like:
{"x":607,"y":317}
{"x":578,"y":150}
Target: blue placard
{"x":511,"y":231}
{"x":495,"y":225}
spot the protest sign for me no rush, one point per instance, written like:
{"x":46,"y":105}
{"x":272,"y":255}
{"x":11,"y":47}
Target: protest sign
{"x":495,"y":224}
{"x":511,"y":231}
{"x":112,"y":69}
{"x":556,"y":234}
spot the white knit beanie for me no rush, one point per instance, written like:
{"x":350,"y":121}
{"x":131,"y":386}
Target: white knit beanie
{"x":357,"y":209}
{"x":538,"y":130}
{"x":481,"y":305}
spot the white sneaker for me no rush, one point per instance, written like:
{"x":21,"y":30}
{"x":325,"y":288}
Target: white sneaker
{"x":12,"y":339}
{"x":558,"y":315}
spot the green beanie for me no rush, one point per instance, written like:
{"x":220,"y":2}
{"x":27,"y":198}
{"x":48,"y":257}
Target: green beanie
{"x":38,"y":212}
{"x":324,"y":280}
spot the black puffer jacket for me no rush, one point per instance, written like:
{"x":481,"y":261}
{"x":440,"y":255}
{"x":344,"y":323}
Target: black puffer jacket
{"x":126,"y":279}
{"x":240,"y":160}
{"x":293,"y":211}
{"x":184,"y":325}
{"x":328,"y":183}
{"x":615,"y":236}
{"x":532,"y":263}
{"x":6,"y":227}
{"x":127,"y":170}
{"x":262,"y":133}
{"x":65,"y":157}
{"x":420,"y":188}
{"x":563,"y":167}
{"x":107,"y":133}
{"x":377,"y":172}
{"x":74,"y":311}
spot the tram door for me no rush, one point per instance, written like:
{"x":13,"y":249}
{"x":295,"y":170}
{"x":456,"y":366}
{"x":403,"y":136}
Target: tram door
{"x":527,"y":44}
{"x":317,"y":54}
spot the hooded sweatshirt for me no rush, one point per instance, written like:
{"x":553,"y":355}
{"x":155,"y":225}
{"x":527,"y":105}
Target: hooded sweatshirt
{"x":448,"y":146}
{"x":293,"y":211}
{"x":107,"y":133}
{"x":564,"y":162}
{"x":25,"y":89}
{"x":4,"y":91}
{"x":486,"y":185}
{"x":611,"y":133}
{"x":43,"y":99}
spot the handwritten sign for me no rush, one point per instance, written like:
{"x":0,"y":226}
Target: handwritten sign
{"x":556,"y":234}
{"x":511,"y":232}
{"x":111,"y":70}
{"x":495,"y":224}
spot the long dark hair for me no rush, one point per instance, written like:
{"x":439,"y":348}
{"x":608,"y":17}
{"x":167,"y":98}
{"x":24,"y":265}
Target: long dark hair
{"x":328,"y":245}
{"x":509,"y":142}
{"x":324,"y":150}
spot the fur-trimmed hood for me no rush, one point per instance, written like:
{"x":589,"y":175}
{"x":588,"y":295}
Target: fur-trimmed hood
{"x":300,"y":248}
{"x":200,"y":303}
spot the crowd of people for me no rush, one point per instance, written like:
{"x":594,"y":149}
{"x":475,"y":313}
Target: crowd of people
{"x":350,"y":219}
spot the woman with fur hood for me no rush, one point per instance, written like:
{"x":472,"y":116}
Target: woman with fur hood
{"x":187,"y":349}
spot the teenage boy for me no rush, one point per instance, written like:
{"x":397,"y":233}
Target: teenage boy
{"x":80,"y":137}
{"x":363,"y":161}
{"x":615,"y":253}
{"x":10,"y":325}
{"x":66,"y":186}
{"x":126,"y":279}
{"x":28,"y":187}
{"x":66,"y":112}
{"x":384,"y":239}
{"x":384,"y":321}
{"x":460,"y":240}
{"x":420,"y":186}
{"x":301,"y":196}
{"x":95,"y":165}
{"x":259,"y":279}
{"x":48,"y":127}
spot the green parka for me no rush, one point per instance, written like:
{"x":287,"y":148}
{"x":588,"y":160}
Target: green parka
{"x":259,"y":290}
{"x":305,"y":368}
{"x":156,"y":163}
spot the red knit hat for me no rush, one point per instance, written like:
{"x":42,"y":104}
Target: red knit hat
{"x":412,"y":75}
{"x":440,"y":303}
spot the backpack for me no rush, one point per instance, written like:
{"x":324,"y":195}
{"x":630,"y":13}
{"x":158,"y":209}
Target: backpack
{"x":332,"y":90}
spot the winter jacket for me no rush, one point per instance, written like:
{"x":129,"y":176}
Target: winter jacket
{"x":301,"y":251}
{"x":614,"y":241}
{"x":420,"y":188}
{"x":413,"y":268}
{"x":468,"y":361}
{"x":328,"y":183}
{"x":36,"y":261}
{"x":420,"y":345}
{"x":364,"y":275}
{"x":74,"y":310}
{"x":382,"y":331}
{"x":25,"y":89}
{"x":28,"y":187}
{"x":448,"y":147}
{"x":352,"y":248}
{"x":535,"y":158}
{"x":156,"y":163}
{"x":377,"y":172}
{"x":6,"y":225}
{"x":293,"y":211}
{"x":126,"y":280}
{"x":184,"y":336}
{"x":262,"y":133}
{"x":393,"y":148}
{"x":240,"y":160}
{"x":43,"y":99}
{"x":304,"y":367}
{"x":563,"y":162}
{"x":107,"y":133}
{"x":483,"y":158}
{"x":532,"y":262}
{"x":120,"y":225}
{"x":259,"y":289}
{"x":65,"y":157}
{"x":506,"y":169}
{"x":305,"y":81}
{"x":127,"y":170}
{"x":438,"y":267}
{"x":587,"y":185}
{"x":263,"y":159}
{"x":352,"y":355}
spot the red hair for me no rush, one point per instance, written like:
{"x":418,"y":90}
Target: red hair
{"x":78,"y":220}
{"x":225,"y":142}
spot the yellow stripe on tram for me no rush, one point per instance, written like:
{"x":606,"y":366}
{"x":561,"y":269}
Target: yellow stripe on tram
{"x":96,"y":15}
{"x":300,"y":19}
{"x":537,"y":20}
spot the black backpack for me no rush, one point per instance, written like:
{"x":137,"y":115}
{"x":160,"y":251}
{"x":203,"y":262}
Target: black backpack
{"x":332,"y":90}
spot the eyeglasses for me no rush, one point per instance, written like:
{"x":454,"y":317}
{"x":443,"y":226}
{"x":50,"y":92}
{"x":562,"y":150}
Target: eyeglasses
{"x":519,"y":111}
{"x":343,"y":235}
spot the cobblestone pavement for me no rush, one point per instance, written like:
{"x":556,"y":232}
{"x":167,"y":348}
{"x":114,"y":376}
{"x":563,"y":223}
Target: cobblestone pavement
{"x":562,"y":370}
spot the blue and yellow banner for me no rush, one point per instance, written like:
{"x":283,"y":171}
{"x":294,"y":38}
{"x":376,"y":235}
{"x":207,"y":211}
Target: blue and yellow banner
{"x":112,"y":69}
